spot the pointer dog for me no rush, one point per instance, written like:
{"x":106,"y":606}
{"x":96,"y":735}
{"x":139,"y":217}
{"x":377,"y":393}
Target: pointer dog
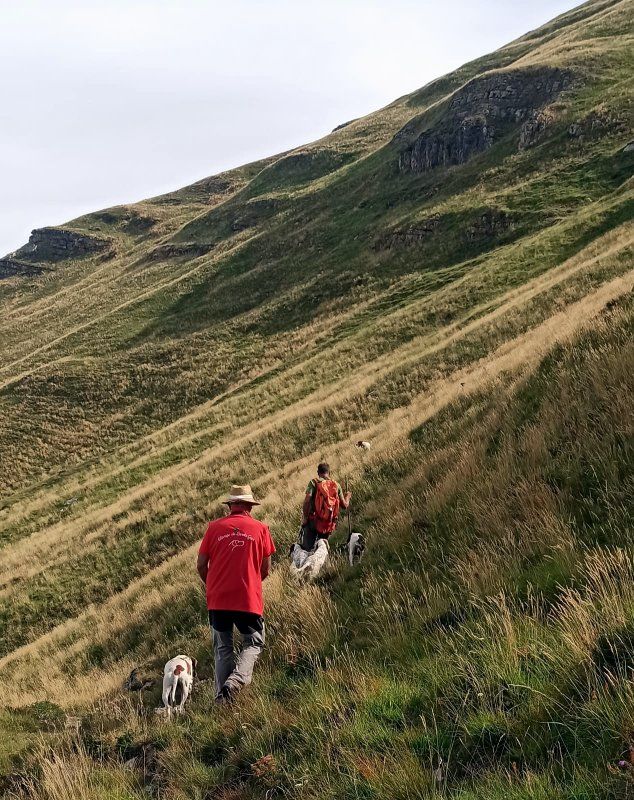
{"x":355,"y":547}
{"x":179,"y":672}
{"x":307,"y":564}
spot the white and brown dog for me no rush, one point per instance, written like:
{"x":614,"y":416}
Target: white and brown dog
{"x":179,"y":672}
{"x":307,"y":564}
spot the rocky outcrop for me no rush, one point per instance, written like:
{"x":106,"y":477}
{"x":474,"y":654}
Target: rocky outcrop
{"x":491,"y":223}
{"x":174,"y":250}
{"x":488,"y":224}
{"x":534,"y":127}
{"x":596,"y":124}
{"x":12,"y":267}
{"x":59,"y":244}
{"x":481,"y":113}
{"x":406,"y":237}
{"x":444,"y":148}
{"x":127,"y":220}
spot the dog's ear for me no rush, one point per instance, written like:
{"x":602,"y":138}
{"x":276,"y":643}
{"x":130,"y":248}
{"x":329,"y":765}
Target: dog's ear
{"x":194,"y":668}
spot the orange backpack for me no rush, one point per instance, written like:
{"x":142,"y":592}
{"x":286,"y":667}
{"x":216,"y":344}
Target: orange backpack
{"x":326,"y":503}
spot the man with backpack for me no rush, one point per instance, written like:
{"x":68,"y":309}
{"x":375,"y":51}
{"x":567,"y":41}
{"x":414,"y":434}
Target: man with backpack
{"x":323,"y":500}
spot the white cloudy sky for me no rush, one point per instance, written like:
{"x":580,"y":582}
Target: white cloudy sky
{"x":110,"y":101}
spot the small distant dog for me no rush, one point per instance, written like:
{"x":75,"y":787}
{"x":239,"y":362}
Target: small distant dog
{"x":364,"y":445}
{"x":356,"y":548}
{"x":179,"y":672}
{"x":307,"y":564}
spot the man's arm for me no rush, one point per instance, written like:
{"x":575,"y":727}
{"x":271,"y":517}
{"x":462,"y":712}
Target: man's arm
{"x":344,"y":499}
{"x":202,"y":565}
{"x":265,"y":567}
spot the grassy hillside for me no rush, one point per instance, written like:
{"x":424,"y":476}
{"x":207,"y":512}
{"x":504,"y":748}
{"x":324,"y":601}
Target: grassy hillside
{"x":450,"y":277}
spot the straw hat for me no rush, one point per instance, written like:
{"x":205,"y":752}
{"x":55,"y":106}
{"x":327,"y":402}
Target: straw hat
{"x":241,"y":494}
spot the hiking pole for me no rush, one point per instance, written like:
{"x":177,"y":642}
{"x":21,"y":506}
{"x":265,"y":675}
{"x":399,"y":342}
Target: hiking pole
{"x":348,"y":510}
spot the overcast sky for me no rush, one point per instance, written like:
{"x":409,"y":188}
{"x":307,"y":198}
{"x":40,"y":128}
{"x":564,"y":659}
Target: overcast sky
{"x":111,"y":101}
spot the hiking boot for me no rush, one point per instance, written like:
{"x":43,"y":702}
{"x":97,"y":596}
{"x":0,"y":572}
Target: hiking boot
{"x":227,"y":695}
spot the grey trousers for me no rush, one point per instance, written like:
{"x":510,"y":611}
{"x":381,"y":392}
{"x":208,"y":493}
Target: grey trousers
{"x":235,"y":671}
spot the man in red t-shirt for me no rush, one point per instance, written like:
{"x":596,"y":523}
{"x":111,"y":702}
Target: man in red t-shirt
{"x":233,"y":559}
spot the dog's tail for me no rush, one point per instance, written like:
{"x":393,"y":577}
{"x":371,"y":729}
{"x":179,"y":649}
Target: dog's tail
{"x":175,"y":680}
{"x":169,"y":690}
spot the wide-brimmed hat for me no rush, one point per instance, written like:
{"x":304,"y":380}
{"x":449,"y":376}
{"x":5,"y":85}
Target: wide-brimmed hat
{"x":241,"y":494}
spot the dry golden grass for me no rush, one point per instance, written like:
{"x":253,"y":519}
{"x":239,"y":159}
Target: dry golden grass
{"x":72,"y":774}
{"x":39,"y":666}
{"x":52,"y":544}
{"x":407,"y":348}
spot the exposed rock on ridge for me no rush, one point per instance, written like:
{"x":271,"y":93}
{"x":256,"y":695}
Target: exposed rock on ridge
{"x":534,"y":127}
{"x":12,"y":267}
{"x":479,"y":114}
{"x":58,"y":244}
{"x":491,"y":222}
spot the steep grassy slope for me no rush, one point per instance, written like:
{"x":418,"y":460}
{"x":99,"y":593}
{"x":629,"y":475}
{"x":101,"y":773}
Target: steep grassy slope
{"x":450,"y":277}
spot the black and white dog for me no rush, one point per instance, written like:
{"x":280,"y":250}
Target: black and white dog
{"x":355,"y":548}
{"x":179,"y":672}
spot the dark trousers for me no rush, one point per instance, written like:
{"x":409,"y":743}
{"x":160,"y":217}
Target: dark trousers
{"x":234,"y":672}
{"x":309,"y":535}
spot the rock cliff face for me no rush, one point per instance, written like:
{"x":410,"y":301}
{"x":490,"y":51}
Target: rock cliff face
{"x":479,"y":114}
{"x":534,"y":127}
{"x":12,"y":267}
{"x":490,"y":223}
{"x":58,"y":244}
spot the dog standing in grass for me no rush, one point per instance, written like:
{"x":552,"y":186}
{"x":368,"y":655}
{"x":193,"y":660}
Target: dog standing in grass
{"x":355,"y":548}
{"x":233,"y":560}
{"x":307,"y":564}
{"x":179,"y":672}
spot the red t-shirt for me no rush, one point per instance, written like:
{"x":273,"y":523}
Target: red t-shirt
{"x":236,"y":545}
